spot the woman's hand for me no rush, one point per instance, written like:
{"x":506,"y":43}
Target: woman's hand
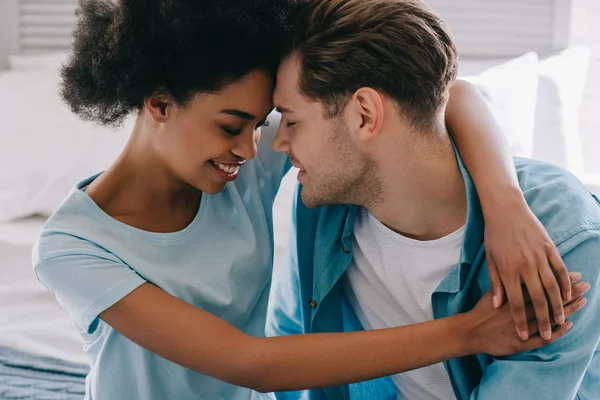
{"x":494,"y":331}
{"x":520,"y":251}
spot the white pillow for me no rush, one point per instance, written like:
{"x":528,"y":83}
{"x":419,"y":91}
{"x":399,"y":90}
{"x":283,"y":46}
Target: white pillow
{"x":44,"y":148}
{"x":592,"y":181}
{"x":561,"y":83}
{"x":511,"y":90}
{"x":28,"y":62}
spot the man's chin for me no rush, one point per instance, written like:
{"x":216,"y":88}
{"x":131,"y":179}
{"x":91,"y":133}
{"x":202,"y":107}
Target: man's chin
{"x":313,"y":200}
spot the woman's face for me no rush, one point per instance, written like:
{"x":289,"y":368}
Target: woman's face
{"x":208,"y":141}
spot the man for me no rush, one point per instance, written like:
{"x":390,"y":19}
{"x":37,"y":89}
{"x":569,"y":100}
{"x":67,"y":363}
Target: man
{"x":362,"y":98}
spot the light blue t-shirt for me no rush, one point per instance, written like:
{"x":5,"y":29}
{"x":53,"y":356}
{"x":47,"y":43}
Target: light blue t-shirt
{"x":221,"y":263}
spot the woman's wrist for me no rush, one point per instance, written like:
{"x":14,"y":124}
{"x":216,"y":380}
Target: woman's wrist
{"x":464,"y":330}
{"x":504,"y":197}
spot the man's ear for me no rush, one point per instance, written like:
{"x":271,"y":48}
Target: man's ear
{"x":158,"y":108}
{"x":368,"y":108}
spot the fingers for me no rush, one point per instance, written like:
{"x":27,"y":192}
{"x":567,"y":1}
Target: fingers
{"x":573,"y":276}
{"x":496,"y":283}
{"x":561,"y":270}
{"x":578,"y":290}
{"x":552,"y":291}
{"x":540,"y":304}
{"x":536,"y":341}
{"x":575,"y":306}
{"x":514,"y":293}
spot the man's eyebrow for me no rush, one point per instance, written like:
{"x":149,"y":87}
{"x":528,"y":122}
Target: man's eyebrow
{"x":283,"y":110}
{"x":240,"y":114}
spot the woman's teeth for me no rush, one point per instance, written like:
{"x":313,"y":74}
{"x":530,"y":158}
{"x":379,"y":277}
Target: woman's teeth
{"x":229,"y":169}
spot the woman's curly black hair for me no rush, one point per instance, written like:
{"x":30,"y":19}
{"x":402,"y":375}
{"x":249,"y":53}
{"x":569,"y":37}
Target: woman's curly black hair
{"x":125,"y":51}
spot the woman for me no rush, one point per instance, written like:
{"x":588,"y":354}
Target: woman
{"x":168,"y":253}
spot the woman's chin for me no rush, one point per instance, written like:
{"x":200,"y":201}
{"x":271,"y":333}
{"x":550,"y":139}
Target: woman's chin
{"x":211,"y":187}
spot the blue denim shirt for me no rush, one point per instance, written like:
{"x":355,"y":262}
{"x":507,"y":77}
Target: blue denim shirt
{"x":308,"y":296}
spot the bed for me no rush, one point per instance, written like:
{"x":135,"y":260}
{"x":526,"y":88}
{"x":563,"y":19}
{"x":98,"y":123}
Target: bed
{"x":41,"y":355}
{"x":516,"y":52}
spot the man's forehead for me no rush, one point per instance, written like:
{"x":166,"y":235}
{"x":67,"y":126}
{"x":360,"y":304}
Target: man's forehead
{"x":283,"y":110}
{"x":285,"y":95}
{"x":287,"y":74}
{"x":290,"y":65}
{"x":278,"y":100}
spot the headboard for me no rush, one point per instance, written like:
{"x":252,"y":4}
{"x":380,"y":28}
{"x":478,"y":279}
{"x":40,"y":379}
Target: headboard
{"x":506,"y":28}
{"x":35,"y":26}
{"x":483,"y":28}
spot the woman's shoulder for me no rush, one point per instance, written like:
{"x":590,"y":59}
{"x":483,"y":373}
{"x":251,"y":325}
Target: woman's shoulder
{"x":72,"y":227}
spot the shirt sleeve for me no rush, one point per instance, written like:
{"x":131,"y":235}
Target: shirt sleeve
{"x":285,"y":311}
{"x":275,"y":164}
{"x":85,"y":278}
{"x":565,"y":369}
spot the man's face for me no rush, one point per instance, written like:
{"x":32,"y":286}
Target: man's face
{"x":333,"y":169}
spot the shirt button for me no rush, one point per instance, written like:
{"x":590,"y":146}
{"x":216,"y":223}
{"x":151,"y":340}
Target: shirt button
{"x":312,"y":304}
{"x":346,"y":249}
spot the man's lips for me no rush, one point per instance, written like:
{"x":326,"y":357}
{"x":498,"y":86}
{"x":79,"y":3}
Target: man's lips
{"x":296,"y":164}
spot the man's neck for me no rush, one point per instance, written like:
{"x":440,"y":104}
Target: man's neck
{"x":424,"y":194}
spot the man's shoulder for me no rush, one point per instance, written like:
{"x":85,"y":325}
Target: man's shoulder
{"x":562,"y":203}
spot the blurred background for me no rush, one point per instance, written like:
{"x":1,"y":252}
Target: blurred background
{"x":536,"y":61}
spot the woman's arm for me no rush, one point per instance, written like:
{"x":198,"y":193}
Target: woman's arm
{"x":200,"y":341}
{"x":518,"y":247}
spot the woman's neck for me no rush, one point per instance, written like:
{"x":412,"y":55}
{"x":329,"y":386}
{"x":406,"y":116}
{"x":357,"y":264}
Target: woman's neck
{"x":140,"y":190}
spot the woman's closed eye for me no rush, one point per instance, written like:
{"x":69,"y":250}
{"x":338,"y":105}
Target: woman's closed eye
{"x":231,"y":130}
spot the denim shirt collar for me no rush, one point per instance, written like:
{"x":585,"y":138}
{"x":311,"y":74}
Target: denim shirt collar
{"x":472,"y":242}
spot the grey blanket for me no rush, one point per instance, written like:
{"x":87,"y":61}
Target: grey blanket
{"x":24,"y":376}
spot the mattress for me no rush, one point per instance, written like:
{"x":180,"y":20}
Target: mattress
{"x":41,"y":354}
{"x":24,"y":376}
{"x":31,"y":320}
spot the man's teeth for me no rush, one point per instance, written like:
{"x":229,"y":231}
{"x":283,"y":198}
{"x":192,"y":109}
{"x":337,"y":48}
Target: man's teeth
{"x":229,"y":169}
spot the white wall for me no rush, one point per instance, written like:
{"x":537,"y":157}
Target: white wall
{"x":9,"y":19}
{"x":586,"y":30}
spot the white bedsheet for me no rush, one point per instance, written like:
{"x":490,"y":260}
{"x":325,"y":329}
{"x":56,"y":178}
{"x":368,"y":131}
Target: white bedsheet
{"x":30,"y":318}
{"x":22,"y":232}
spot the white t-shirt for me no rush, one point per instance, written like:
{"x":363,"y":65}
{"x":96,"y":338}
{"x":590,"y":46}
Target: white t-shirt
{"x":390,"y":283}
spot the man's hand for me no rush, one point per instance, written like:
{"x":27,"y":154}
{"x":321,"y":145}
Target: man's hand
{"x":520,"y":251}
{"x":494,"y":333}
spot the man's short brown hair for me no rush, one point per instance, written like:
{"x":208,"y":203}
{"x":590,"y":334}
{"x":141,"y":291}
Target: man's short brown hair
{"x":399,"y":47}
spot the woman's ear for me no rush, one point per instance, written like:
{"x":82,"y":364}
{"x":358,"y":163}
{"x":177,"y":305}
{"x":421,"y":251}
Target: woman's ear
{"x":158,"y":108}
{"x":369,"y":106}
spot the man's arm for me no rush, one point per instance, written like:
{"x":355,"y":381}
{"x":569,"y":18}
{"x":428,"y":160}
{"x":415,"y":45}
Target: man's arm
{"x":518,"y":248}
{"x":556,"y":371}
